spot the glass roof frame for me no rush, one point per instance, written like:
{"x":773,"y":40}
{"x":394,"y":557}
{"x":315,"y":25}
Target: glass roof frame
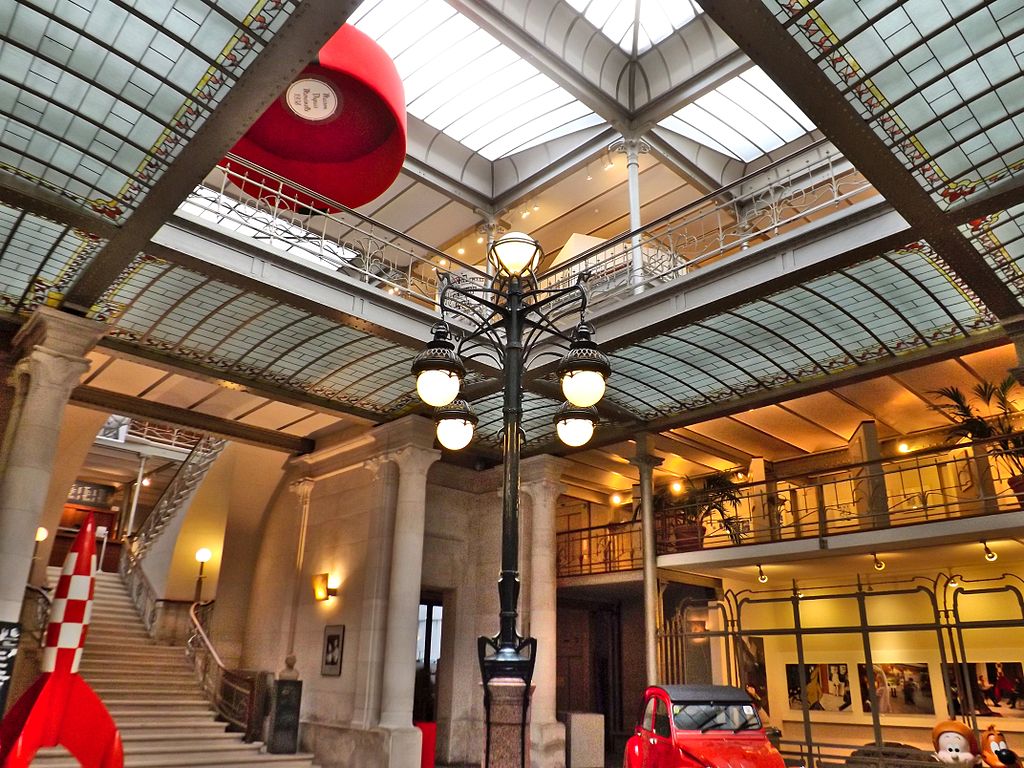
{"x":638,"y":24}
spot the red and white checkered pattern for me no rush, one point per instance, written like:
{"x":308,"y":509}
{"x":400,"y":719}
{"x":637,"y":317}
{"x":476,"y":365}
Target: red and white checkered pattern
{"x":72,"y":606}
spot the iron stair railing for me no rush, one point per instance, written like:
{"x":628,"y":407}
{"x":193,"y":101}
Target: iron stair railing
{"x":175,"y":498}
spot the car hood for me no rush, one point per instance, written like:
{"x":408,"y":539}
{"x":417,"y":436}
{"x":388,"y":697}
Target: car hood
{"x":729,"y":750}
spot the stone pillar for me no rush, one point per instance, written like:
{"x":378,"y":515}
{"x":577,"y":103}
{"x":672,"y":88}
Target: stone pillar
{"x":765,"y":505}
{"x":872,"y":501}
{"x":540,"y":479}
{"x":53,"y":347}
{"x":375,"y":594}
{"x":403,"y":603}
{"x":303,"y":489}
{"x":645,"y":464}
{"x":633,"y":147}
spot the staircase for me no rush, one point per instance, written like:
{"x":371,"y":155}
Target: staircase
{"x":152,"y":694}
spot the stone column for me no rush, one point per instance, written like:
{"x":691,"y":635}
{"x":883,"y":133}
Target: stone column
{"x":303,"y":489}
{"x":540,"y":479}
{"x":872,"y":502}
{"x":403,"y":603}
{"x":53,"y":347}
{"x":645,"y":464}
{"x":375,"y":594}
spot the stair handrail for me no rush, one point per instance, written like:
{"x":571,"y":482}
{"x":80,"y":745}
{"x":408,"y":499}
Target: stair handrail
{"x":41,"y":616}
{"x":198,"y":460}
{"x":235,"y":694}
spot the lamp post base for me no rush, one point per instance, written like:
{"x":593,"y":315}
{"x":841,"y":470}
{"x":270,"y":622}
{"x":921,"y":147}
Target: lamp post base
{"x":507,"y":743}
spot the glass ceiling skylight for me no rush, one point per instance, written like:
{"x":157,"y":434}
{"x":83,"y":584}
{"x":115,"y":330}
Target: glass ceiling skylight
{"x":650,"y":21}
{"x":743,"y":118}
{"x":465,"y":83}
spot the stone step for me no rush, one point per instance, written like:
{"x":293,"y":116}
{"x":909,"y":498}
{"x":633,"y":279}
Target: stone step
{"x":172,"y":760}
{"x":96,"y":648}
{"x":135,"y":716}
{"x":167,"y":702}
{"x":122,"y":677}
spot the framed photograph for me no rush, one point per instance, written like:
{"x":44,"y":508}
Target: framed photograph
{"x":997,"y":688}
{"x":827,"y":688}
{"x":900,"y":689}
{"x":334,"y":648}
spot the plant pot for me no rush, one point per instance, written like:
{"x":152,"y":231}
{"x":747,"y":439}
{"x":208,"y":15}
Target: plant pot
{"x":1016,"y":484}
{"x":687,"y":536}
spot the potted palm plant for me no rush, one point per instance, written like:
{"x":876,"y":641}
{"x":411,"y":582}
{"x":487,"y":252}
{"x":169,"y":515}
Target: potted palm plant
{"x":714,"y":497}
{"x":1006,"y":443}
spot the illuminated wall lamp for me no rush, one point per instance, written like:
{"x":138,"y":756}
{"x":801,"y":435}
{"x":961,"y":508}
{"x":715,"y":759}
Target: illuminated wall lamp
{"x":322,"y":591}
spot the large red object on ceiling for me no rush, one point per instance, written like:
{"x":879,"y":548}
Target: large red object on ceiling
{"x":338,"y":129}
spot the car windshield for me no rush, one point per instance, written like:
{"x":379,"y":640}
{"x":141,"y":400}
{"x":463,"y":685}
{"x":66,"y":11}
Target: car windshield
{"x":727,"y":716}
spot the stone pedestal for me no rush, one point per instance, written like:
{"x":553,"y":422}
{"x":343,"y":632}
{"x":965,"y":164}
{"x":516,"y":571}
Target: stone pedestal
{"x":508,"y":744}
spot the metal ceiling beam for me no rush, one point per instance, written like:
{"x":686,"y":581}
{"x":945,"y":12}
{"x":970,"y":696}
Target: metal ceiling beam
{"x":24,"y":195}
{"x":679,"y":163}
{"x":447,"y":185}
{"x":296,"y":43}
{"x":488,"y":18}
{"x":703,"y":82}
{"x":756,"y":30}
{"x":113,"y":402}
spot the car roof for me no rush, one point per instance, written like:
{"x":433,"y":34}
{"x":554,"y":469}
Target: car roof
{"x":705,"y":693}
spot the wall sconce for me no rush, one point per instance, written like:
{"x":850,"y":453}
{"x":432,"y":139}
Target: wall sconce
{"x":879,"y":564}
{"x":203,"y":556}
{"x":989,"y":554}
{"x":322,"y":591}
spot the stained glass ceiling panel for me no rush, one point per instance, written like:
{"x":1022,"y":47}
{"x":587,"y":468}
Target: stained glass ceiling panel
{"x":38,"y":258}
{"x":648,"y":21}
{"x":904,"y":300}
{"x":478,"y":92}
{"x":940,"y":81}
{"x":743,"y":118}
{"x":97,"y":99}
{"x":182,"y":314}
{"x":1000,"y":237}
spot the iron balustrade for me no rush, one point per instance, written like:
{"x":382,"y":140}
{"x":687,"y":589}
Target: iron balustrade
{"x":779,"y":198}
{"x":897,"y":492}
{"x":163,"y":434}
{"x":236,"y":695}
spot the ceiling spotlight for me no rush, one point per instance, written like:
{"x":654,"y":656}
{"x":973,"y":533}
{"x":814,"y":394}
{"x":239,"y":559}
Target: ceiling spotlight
{"x":480,"y":240}
{"x":741,"y":476}
{"x":589,"y":177}
{"x":146,"y":481}
{"x":461,"y":251}
{"x":525,"y":214}
{"x":903,"y":447}
{"x":616,"y":499}
{"x":609,"y":163}
{"x":761,"y":576}
{"x":879,"y":564}
{"x":443,"y":262}
{"x":989,"y":554}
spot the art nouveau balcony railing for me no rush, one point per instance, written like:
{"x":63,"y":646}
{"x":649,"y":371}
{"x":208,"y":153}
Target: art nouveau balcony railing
{"x":924,"y":488}
{"x":782,"y":197}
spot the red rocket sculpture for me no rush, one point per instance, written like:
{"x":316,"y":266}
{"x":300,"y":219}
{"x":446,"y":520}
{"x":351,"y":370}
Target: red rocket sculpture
{"x":60,"y":708}
{"x":339,"y":129}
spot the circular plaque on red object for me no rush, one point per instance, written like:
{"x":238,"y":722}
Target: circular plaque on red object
{"x":339,"y":129}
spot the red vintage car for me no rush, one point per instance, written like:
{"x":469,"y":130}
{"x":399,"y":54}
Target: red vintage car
{"x":699,"y":726}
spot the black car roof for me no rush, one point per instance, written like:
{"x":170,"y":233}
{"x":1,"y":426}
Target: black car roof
{"x":705,"y":693}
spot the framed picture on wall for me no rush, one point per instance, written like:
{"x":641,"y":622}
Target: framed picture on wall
{"x":334,"y":648}
{"x":900,"y":689}
{"x":827,"y":688}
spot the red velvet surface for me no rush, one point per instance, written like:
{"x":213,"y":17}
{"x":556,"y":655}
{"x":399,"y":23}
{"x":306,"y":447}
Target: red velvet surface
{"x":351,"y":157}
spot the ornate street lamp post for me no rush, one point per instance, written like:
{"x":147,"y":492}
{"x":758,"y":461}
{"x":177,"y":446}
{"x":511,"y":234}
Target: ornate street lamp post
{"x":507,"y":320}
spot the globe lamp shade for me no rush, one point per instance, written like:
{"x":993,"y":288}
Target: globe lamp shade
{"x":584,"y":369}
{"x":203,"y":555}
{"x":438,"y":369}
{"x":455,"y":425}
{"x":575,"y":426}
{"x":515,"y":253}
{"x":437,"y":387}
{"x":583,"y":388}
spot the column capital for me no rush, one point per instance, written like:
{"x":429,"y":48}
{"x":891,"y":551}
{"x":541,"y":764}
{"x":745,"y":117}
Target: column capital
{"x":412,"y":460}
{"x":302,"y":488}
{"x":58,"y":333}
{"x":631,"y":146}
{"x":645,"y":461}
{"x":543,"y":470}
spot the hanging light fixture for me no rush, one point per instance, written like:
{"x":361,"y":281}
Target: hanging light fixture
{"x":575,"y":426}
{"x":438,"y":369}
{"x":455,"y":424}
{"x":989,"y":554}
{"x":584,"y":369}
{"x":879,"y":564}
{"x":761,"y":575}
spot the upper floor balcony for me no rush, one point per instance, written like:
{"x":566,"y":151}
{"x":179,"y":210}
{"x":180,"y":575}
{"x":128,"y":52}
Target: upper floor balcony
{"x":869,"y":505}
